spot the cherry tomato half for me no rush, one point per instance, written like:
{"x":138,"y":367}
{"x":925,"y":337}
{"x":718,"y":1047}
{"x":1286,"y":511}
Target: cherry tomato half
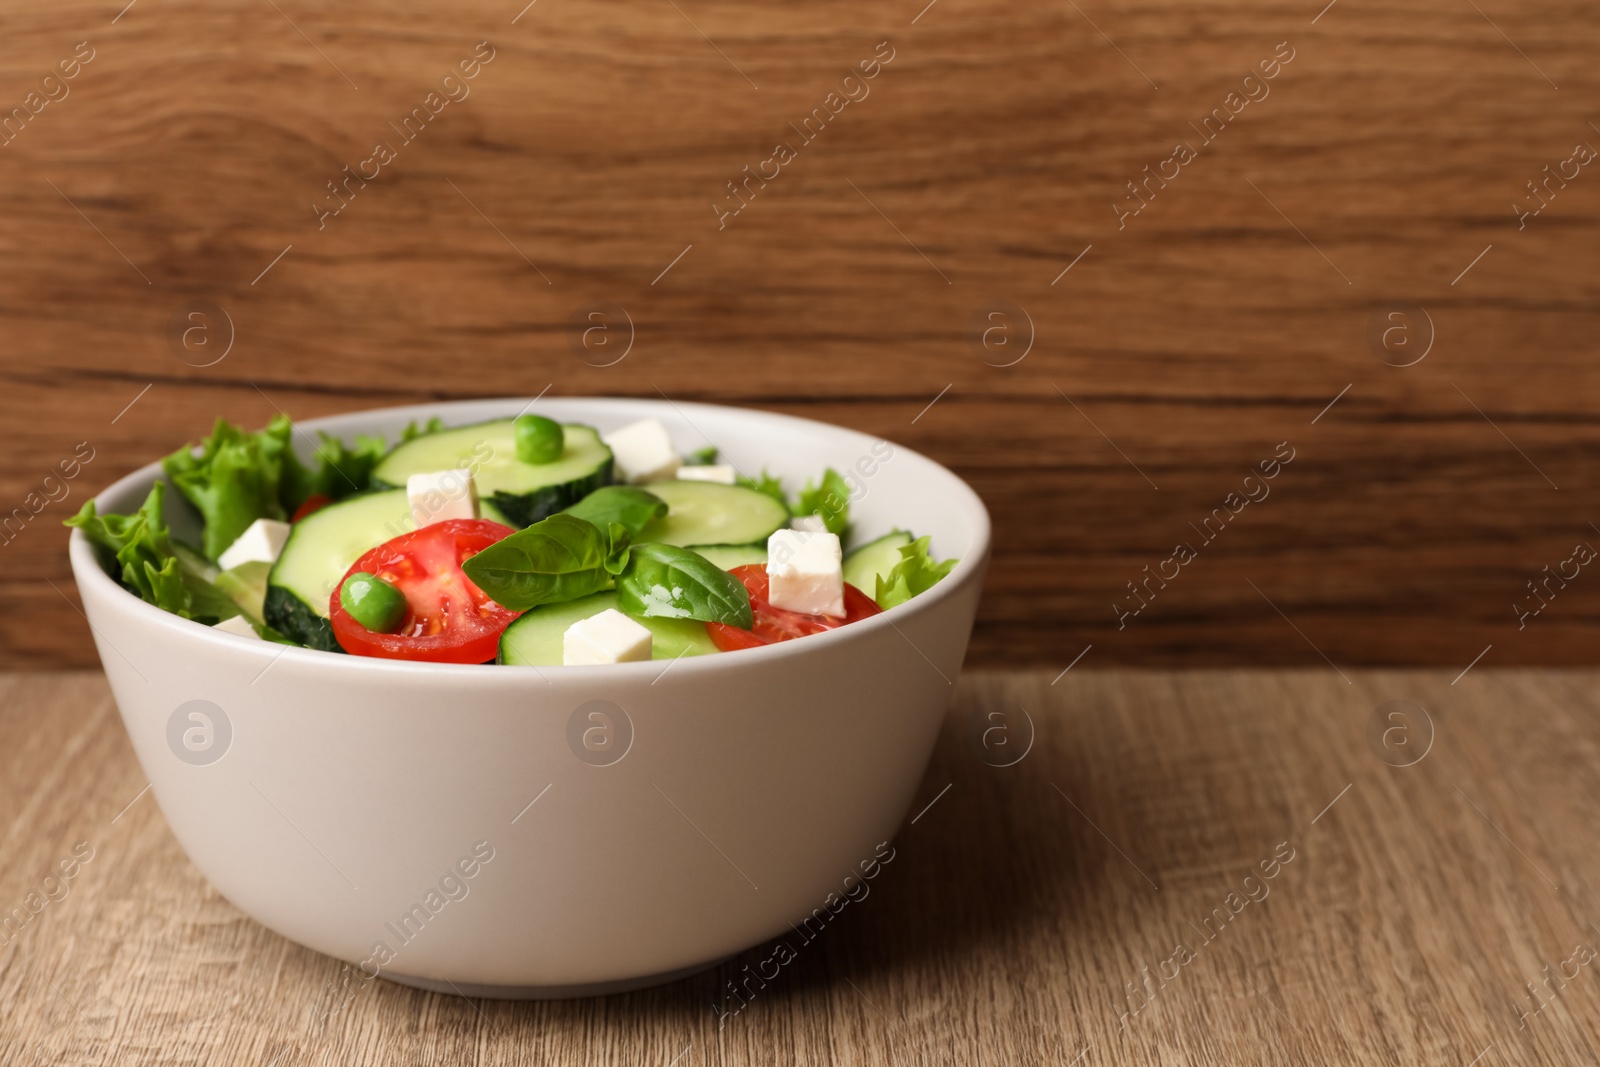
{"x":314,"y":502}
{"x":448,"y":619}
{"x":772,"y":625}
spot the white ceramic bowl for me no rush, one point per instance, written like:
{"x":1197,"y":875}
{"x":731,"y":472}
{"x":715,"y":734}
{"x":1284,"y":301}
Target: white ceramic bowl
{"x":338,"y":800}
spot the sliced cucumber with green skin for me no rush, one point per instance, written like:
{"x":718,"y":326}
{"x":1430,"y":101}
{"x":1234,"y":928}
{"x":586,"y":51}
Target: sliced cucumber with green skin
{"x":488,"y":510}
{"x":522,"y":492}
{"x":535,"y":638}
{"x":246,"y":586}
{"x":320,"y":549}
{"x":709,"y":513}
{"x":863,"y":566}
{"x":730,"y":556}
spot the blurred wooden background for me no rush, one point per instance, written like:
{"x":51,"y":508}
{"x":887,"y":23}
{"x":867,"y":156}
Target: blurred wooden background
{"x":186,"y":156}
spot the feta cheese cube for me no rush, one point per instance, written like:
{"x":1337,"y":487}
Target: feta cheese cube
{"x":808,"y":523}
{"x":643,"y":452}
{"x":440,"y":495}
{"x":609,"y":637}
{"x":713,"y":472}
{"x":805,"y":572}
{"x":261,"y":542}
{"x":237,"y":625}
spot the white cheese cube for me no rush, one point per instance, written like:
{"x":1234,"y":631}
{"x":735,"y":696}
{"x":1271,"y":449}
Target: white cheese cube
{"x":643,"y":452}
{"x":713,"y":472}
{"x":441,"y":495}
{"x":808,"y":523}
{"x":237,"y":625}
{"x":805,"y":572}
{"x":609,"y":637}
{"x":261,"y":542}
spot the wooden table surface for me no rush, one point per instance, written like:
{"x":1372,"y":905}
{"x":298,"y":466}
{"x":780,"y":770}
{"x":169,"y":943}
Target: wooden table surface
{"x":584,"y":169}
{"x":1304,"y":900}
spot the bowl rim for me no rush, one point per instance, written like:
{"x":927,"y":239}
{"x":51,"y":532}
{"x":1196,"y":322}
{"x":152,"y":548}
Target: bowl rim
{"x":86,"y":567}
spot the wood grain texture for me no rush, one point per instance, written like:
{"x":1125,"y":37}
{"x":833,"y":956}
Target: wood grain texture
{"x":1414,"y":905}
{"x":987,"y":155}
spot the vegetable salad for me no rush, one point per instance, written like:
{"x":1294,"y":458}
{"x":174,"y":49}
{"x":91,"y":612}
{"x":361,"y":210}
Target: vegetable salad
{"x":516,"y":541}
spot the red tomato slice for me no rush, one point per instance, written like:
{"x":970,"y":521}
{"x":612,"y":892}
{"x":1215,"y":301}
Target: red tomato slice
{"x":448,"y":618}
{"x":772,"y":625}
{"x":314,"y":502}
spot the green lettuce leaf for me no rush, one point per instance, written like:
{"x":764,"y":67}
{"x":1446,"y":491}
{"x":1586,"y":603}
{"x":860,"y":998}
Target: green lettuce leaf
{"x":235,"y":477}
{"x":267,"y":633}
{"x":169,"y":575}
{"x":342,"y":470}
{"x":233,"y":480}
{"x":246,"y":586}
{"x":701,"y":457}
{"x":768,"y":484}
{"x":831,"y":500}
{"x":915,"y":573}
{"x":208,"y":601}
{"x":413,"y":431}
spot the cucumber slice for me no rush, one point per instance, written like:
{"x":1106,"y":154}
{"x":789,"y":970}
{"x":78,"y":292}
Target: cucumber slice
{"x":709,"y":513}
{"x":863,"y":566}
{"x":320,"y":549}
{"x":522,"y":492}
{"x":535,"y":638}
{"x":730,"y":556}
{"x":488,"y":510}
{"x":246,"y":586}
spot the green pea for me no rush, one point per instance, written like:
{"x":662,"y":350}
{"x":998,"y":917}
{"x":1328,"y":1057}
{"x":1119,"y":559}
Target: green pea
{"x":373,"y":602}
{"x":539,"y":440}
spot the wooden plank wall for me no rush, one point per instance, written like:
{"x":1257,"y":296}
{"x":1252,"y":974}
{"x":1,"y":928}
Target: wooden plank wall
{"x":585,"y":166}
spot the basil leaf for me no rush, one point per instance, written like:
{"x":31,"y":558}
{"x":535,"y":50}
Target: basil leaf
{"x":667,"y":582}
{"x":632,"y":508}
{"x":916,"y":572}
{"x":831,"y":500}
{"x":554,"y":560}
{"x":617,"y":557}
{"x":701,"y":457}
